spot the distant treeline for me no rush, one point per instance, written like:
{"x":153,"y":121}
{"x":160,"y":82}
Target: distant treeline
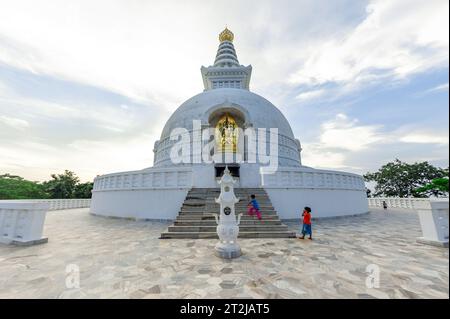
{"x":66,"y":185}
{"x":400,"y":179}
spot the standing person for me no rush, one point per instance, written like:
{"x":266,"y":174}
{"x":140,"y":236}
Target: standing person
{"x":384,"y":205}
{"x":306,"y":223}
{"x":253,"y":207}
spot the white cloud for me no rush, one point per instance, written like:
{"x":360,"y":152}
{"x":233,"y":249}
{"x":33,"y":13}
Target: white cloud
{"x":345,"y":133}
{"x":338,"y":139}
{"x":425,"y":138}
{"x":316,"y":156}
{"x":39,"y":137}
{"x":439,"y":88}
{"x":87,"y":158}
{"x":345,"y":143}
{"x":131,"y":49}
{"x":310,"y":95}
{"x":151,"y":51}
{"x":14,"y":122}
{"x":396,"y":40}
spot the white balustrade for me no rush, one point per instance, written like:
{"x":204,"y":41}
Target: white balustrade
{"x":397,"y":202}
{"x":152,"y":178}
{"x":433,"y":215}
{"x":57,"y":204}
{"x":22,"y":221}
{"x":293,"y":177}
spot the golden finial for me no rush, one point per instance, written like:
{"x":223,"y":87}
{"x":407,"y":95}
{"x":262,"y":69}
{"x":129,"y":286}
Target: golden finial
{"x":226,"y":35}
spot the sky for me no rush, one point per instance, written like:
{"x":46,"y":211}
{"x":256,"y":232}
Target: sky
{"x":88,"y":85}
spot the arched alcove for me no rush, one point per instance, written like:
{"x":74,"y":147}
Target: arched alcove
{"x":237,"y":113}
{"x":235,"y":117}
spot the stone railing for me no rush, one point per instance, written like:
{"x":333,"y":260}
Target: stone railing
{"x":433,"y":216}
{"x":311,"y":178}
{"x":152,"y":178}
{"x":56,"y":204}
{"x":22,"y":222}
{"x":397,"y":202}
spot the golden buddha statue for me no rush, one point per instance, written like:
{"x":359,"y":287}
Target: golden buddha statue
{"x":226,"y":134}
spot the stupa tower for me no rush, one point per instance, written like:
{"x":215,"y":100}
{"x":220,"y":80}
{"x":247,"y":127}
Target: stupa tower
{"x":226,"y":71}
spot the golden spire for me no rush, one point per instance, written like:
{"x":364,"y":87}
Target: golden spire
{"x":226,"y":35}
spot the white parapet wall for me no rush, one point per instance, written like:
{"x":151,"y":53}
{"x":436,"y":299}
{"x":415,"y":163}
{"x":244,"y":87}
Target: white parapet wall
{"x":397,"y":202}
{"x":328,"y":193}
{"x":58,"y":204}
{"x":154,"y":193}
{"x":22,"y":222}
{"x":433,"y":216}
{"x":158,"y":193}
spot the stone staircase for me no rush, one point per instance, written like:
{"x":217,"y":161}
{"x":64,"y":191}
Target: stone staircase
{"x":196,"y":219}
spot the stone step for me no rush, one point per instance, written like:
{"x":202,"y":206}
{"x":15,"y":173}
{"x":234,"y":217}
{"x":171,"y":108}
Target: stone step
{"x":216,"y":207}
{"x":243,"y":228}
{"x":210,"y":217}
{"x":207,"y":235}
{"x":196,"y":222}
{"x":217,"y":211}
{"x":213,"y":204}
{"x":201,"y":214}
{"x":211,"y":196}
{"x":211,"y":214}
{"x":213,"y":210}
{"x":236,"y":190}
{"x":212,"y":201}
{"x":216,"y":195}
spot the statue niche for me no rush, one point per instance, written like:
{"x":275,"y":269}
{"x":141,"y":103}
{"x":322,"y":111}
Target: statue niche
{"x":226,"y":134}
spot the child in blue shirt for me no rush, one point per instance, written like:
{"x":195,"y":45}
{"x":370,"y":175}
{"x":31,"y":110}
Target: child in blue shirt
{"x":253,"y":207}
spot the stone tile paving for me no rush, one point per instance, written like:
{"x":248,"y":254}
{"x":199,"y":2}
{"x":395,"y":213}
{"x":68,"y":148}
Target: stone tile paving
{"x":125,"y":259}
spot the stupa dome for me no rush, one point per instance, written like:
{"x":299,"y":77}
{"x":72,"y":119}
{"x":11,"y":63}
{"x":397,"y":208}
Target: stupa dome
{"x":258,"y":112}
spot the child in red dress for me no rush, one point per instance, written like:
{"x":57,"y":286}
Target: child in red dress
{"x":306,"y":223}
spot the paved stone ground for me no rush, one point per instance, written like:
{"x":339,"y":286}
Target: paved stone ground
{"x":125,"y":259}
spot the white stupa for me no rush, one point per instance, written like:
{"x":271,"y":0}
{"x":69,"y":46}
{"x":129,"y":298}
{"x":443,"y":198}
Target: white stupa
{"x":225,"y":106}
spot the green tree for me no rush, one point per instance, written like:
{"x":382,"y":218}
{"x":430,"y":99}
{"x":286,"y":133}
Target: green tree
{"x":437,"y":187}
{"x":84,"y":190}
{"x":399,"y":179}
{"x":16,"y":187}
{"x":62,"y":185}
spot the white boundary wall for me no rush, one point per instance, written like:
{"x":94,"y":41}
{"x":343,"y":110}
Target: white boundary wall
{"x":55,"y":204}
{"x":397,"y":202}
{"x":158,"y":193}
{"x":433,"y":216}
{"x":22,"y":222}
{"x":328,"y":193}
{"x":154,"y":193}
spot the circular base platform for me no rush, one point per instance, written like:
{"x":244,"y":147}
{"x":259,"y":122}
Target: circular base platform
{"x":228,"y":251}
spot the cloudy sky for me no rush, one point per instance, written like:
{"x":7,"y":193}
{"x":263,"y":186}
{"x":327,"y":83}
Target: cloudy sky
{"x":88,"y":85}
